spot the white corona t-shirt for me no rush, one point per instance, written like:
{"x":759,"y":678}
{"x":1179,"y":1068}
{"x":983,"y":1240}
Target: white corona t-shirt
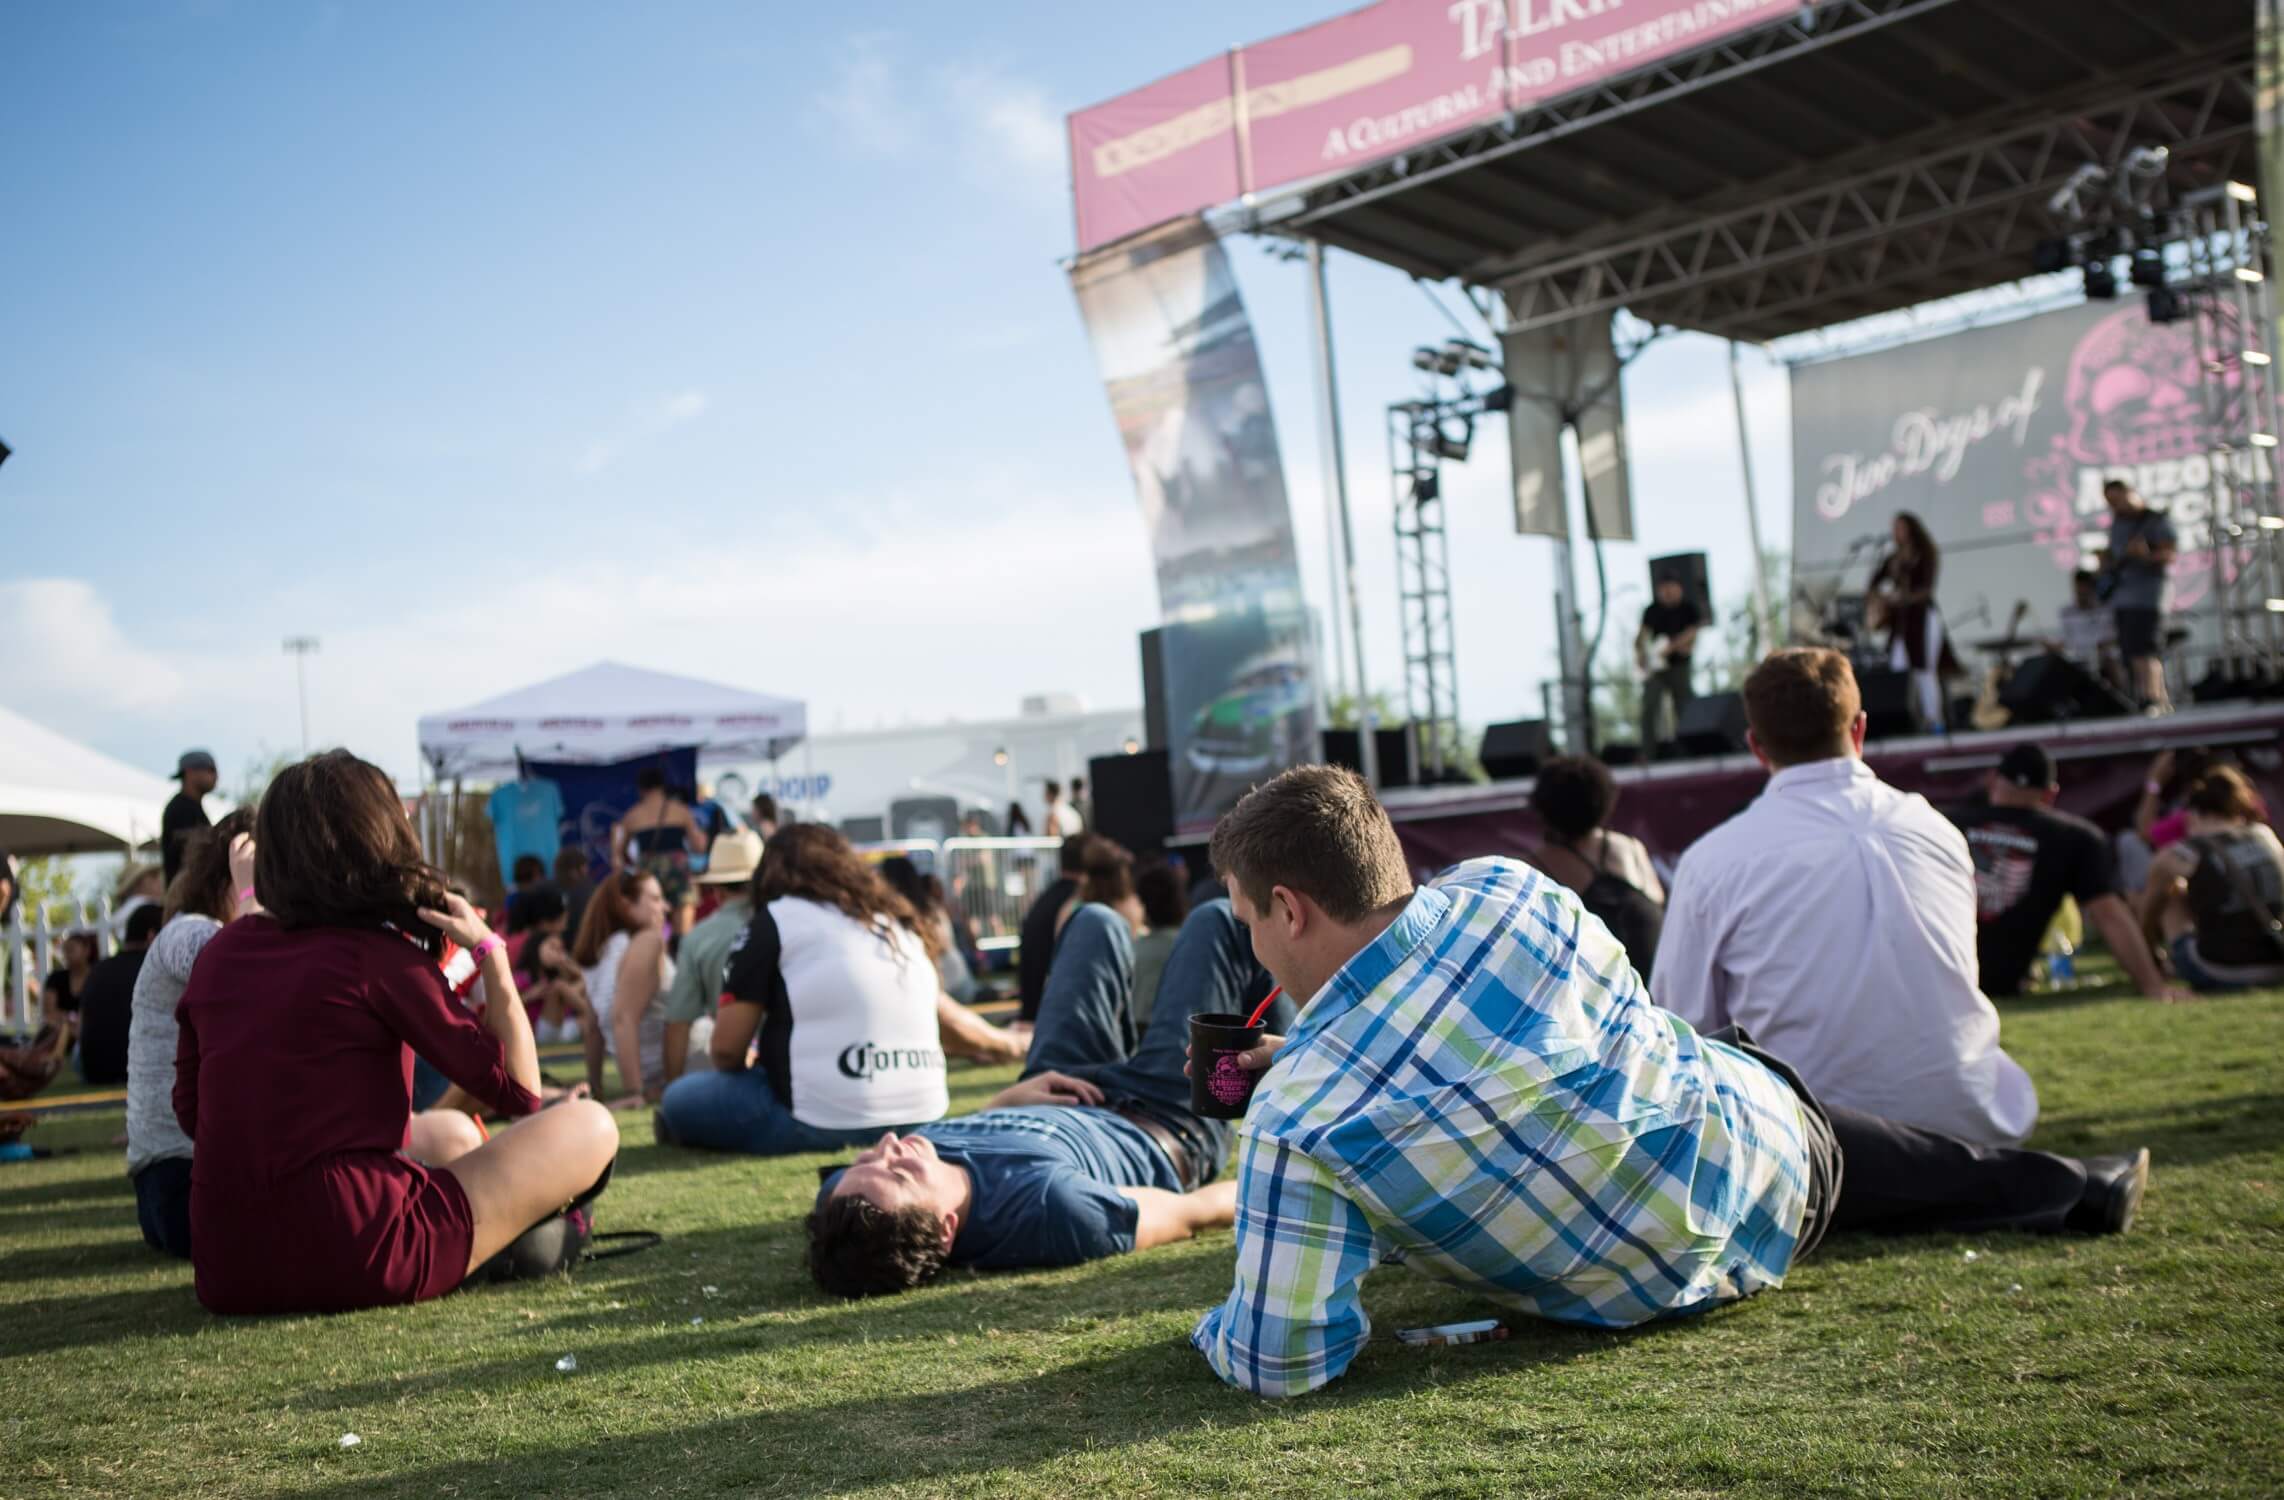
{"x":848,"y":1035}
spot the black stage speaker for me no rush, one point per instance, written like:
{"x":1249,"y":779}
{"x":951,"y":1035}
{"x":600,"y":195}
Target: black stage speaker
{"x":1515,"y":749}
{"x":1713,"y":724}
{"x":1133,"y":799}
{"x":1154,"y":690}
{"x":1696,"y":582}
{"x":1399,"y":764}
{"x":1888,"y":699}
{"x":1621,"y":753}
{"x":2047,"y":688}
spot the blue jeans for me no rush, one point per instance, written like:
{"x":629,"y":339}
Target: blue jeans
{"x":741,"y":1112}
{"x":1086,"y":1018}
{"x":162,"y":1205}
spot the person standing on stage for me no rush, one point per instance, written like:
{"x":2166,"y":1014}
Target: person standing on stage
{"x":1672,"y":619}
{"x":1915,"y":641}
{"x":2137,"y":582}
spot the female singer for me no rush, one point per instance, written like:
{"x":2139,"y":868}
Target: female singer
{"x":1905,"y":583}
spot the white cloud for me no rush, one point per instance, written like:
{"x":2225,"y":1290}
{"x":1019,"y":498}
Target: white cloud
{"x":1008,"y":123}
{"x":65,"y":646}
{"x":1003,"y":132}
{"x":865,"y":102}
{"x":644,"y":422}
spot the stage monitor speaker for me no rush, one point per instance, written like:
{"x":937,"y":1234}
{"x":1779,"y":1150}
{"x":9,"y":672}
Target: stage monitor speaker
{"x":1621,"y":753}
{"x":1515,"y":749}
{"x":1713,"y":724}
{"x":1888,"y":712}
{"x":1696,"y":581}
{"x":1133,"y":798}
{"x":2047,"y":688}
{"x":1399,"y":761}
{"x":1154,"y":690}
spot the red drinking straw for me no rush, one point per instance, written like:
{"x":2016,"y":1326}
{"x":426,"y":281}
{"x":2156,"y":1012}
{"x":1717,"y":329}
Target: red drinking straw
{"x":1263,"y":1008}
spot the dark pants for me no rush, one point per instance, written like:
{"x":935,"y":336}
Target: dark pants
{"x":162,"y":1205}
{"x":1868,"y":1173}
{"x":1086,"y":1017}
{"x":1668,"y":684}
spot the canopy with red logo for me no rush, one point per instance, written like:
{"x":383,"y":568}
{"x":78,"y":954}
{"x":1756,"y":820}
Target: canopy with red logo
{"x":606,"y":713}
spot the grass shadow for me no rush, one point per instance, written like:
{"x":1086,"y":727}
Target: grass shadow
{"x":70,"y":1190}
{"x":106,"y":1257}
{"x":2191,"y":1133}
{"x":50,"y":1323}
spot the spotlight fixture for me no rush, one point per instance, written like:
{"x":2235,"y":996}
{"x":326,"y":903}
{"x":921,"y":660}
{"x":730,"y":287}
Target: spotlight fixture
{"x":1443,"y":445}
{"x":1469,"y":355}
{"x":1132,"y":746}
{"x":999,"y":756}
{"x":2148,"y":267}
{"x":1426,"y":487}
{"x":1502,"y":399}
{"x":2101,"y":282}
{"x":2165,"y":304}
{"x":1426,"y":359}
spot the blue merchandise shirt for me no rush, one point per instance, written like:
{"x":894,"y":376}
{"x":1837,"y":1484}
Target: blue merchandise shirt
{"x":1046,"y":1179}
{"x":527,"y":818}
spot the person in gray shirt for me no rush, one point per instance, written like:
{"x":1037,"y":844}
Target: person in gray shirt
{"x":2136,"y":582}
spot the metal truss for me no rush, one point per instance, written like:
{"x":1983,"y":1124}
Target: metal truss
{"x":1811,"y":30}
{"x":1951,"y":210}
{"x":1423,"y":583}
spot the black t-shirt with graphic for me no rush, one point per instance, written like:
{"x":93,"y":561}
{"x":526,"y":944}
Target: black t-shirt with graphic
{"x":1670,"y":620}
{"x":2026,"y":860}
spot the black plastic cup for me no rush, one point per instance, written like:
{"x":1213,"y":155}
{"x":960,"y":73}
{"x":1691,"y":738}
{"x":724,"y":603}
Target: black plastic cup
{"x":1220,"y":1087}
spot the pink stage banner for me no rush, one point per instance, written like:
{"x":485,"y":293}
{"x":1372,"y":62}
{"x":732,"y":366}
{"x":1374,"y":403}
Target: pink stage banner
{"x":1358,"y":89}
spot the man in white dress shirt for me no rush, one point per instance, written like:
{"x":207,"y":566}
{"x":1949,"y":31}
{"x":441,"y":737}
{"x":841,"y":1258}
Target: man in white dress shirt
{"x":1834,"y":920}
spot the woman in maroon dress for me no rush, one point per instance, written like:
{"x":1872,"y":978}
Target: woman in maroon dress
{"x":1904,"y":586}
{"x":293,"y":1072}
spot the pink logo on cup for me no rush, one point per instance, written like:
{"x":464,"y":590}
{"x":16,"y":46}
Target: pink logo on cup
{"x":1229,"y":1083}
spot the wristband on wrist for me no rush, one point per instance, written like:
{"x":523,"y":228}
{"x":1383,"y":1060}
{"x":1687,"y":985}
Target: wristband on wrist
{"x":245,"y":895}
{"x":491,"y":944}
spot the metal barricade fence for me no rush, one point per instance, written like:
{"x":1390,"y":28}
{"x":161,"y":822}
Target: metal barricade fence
{"x":922,"y":852}
{"x":992,"y":882}
{"x":31,"y":945}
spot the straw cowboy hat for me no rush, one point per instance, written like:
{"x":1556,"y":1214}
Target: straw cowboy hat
{"x":732,"y":858}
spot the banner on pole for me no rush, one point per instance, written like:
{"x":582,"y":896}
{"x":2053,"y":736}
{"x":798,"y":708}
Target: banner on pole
{"x":1177,"y":355}
{"x":2000,"y":439}
{"x":1568,"y":368}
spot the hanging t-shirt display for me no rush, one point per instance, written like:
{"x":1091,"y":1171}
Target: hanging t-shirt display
{"x":527,"y":818}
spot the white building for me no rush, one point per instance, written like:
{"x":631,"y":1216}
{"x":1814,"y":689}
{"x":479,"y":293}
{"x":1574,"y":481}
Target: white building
{"x":917,"y":781}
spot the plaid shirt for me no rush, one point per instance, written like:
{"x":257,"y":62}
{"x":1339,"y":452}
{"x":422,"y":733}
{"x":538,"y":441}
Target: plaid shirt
{"x":1487,"y":1093}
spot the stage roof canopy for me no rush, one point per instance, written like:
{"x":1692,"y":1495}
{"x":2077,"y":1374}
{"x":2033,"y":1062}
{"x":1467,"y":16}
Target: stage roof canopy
{"x":1842,"y":159}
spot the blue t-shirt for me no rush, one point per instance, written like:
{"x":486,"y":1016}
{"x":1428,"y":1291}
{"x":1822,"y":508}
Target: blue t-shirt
{"x":527,"y":818}
{"x":1046,"y":1180}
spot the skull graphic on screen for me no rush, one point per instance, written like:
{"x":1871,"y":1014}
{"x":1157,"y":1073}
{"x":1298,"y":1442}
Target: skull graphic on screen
{"x":2133,"y":392}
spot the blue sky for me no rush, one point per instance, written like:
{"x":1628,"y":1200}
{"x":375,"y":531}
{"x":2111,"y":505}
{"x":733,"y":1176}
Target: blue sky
{"x":482,"y":341}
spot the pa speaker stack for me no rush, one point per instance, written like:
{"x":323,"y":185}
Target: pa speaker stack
{"x":2048,"y":687}
{"x":1395,"y":747}
{"x":1133,"y":799}
{"x":1888,"y":711}
{"x":1713,"y":724}
{"x":1516,"y":749}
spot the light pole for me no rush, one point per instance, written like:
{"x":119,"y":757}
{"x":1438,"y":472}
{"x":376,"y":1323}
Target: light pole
{"x":299,"y":647}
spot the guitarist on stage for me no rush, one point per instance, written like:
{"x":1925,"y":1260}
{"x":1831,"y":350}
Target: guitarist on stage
{"x":1661,"y":654}
{"x":2135,"y":581}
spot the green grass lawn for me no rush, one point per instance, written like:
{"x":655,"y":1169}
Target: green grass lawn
{"x":2148,"y":1364}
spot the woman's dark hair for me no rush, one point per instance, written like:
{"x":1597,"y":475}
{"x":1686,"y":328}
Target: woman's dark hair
{"x":1105,"y":871}
{"x":570,"y":865}
{"x":1018,"y":821}
{"x":610,"y":911}
{"x":2190,"y":767}
{"x":650,"y":779}
{"x":527,"y":909}
{"x":529,"y":867}
{"x":1165,"y":901}
{"x":1922,"y":540}
{"x":815,"y":863}
{"x":1573,"y":796}
{"x":925,"y":892}
{"x":333,"y":848}
{"x":202,"y":886}
{"x":2223,"y":792}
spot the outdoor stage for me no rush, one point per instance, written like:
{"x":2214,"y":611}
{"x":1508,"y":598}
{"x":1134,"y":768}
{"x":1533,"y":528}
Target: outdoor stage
{"x":1670,"y":805}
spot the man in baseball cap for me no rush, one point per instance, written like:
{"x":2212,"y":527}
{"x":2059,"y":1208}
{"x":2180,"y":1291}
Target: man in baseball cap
{"x":703,"y":960}
{"x":186,"y":813}
{"x":2027,"y":858}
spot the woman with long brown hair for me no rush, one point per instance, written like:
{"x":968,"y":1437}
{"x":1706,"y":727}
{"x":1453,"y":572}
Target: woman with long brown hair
{"x":293,"y":1072}
{"x":832,"y":993}
{"x":621,"y":949}
{"x":1904,"y":588}
{"x":2215,"y":899}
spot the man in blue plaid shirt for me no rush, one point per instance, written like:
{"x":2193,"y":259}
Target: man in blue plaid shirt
{"x":1479,"y":1085}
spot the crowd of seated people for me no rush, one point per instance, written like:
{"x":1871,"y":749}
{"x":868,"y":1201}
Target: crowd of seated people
{"x":1826,"y":1058}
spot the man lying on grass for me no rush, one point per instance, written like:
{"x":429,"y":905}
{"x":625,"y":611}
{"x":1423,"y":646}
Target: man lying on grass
{"x":1480,"y":1086}
{"x":1094,"y":1153}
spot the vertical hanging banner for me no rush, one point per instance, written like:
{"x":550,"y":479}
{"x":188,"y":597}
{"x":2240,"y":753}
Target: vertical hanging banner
{"x":1177,"y":355}
{"x":1570,"y":367}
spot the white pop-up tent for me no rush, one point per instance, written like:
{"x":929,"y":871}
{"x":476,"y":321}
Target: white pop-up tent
{"x":605,"y":713}
{"x":57,"y":796}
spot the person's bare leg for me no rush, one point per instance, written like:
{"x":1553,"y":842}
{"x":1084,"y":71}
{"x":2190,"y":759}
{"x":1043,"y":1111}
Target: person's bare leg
{"x":525,"y":1173}
{"x":442,"y":1135}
